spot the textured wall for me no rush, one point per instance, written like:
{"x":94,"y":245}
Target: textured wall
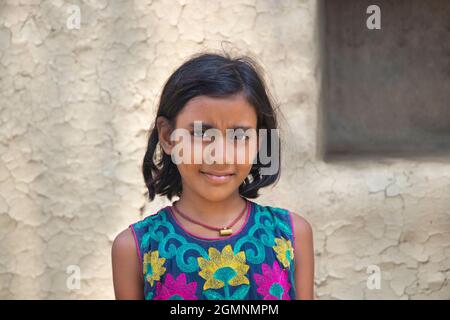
{"x":76,"y":105}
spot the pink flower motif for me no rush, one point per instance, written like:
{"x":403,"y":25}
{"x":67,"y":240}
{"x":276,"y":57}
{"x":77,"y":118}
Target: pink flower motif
{"x":175,"y":289}
{"x":273,"y":283}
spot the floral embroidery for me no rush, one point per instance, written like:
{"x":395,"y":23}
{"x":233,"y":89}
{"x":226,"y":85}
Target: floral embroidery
{"x":273,"y":283}
{"x":284,"y":250}
{"x":175,"y":266}
{"x":153,"y":266}
{"x":149,"y":295}
{"x":224,"y":269}
{"x":176,"y":289}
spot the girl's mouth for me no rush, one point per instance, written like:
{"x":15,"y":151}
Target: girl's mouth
{"x":218,"y":177}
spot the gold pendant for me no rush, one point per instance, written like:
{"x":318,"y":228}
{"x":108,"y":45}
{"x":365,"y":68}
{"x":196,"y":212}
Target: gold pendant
{"x":226,"y":231}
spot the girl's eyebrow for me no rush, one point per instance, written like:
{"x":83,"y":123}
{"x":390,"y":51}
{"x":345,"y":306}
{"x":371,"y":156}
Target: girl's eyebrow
{"x":209,"y":126}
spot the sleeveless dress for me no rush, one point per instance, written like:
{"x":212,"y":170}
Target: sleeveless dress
{"x":254,"y":263}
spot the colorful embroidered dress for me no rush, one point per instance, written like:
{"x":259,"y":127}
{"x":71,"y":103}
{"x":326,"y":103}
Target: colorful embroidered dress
{"x":254,"y":263}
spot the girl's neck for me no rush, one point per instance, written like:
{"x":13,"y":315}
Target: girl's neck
{"x":215,"y":213}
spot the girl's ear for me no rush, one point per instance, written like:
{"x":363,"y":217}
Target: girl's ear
{"x":164,"y":130}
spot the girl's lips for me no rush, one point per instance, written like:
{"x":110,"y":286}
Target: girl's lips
{"x":217,"y":178}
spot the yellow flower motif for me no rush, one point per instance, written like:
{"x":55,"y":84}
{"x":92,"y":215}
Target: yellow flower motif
{"x":153,"y":266}
{"x":284,"y":250}
{"x":223,"y":269}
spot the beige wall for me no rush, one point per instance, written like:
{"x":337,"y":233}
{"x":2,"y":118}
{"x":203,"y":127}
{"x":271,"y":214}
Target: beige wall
{"x":76,"y":105}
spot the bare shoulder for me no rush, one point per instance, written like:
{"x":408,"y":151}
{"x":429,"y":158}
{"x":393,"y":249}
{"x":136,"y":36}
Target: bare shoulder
{"x":302,"y":228}
{"x":127,"y":278}
{"x":124,"y":243}
{"x":304,"y":257}
{"x":124,"y":252}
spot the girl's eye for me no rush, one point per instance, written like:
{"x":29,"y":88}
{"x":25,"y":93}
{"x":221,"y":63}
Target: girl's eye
{"x":240,"y":137}
{"x":199,"y":134}
{"x":204,"y":135}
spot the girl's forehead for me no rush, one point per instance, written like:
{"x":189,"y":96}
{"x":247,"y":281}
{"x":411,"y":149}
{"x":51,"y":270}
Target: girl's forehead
{"x":218,"y":112}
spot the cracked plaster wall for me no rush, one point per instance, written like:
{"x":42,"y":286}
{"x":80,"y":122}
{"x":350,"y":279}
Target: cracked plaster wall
{"x":75,"y":107}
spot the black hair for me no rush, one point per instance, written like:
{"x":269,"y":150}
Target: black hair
{"x":212,"y":75}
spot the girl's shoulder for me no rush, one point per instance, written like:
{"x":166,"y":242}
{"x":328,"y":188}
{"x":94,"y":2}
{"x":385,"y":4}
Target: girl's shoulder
{"x":293,"y":216}
{"x":150,"y":219}
{"x":141,"y":230}
{"x":292,"y":223}
{"x":283,"y":216}
{"x":272,"y":208}
{"x":279,"y":212}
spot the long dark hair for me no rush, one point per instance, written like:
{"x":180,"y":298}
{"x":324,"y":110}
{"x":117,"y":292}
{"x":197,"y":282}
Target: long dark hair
{"x":213,"y":75}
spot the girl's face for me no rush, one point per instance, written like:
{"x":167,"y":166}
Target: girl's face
{"x":231,"y":159}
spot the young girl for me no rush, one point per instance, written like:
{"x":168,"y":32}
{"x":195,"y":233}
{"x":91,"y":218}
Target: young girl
{"x":213,"y":242}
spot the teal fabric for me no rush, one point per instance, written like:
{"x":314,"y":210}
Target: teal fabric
{"x":254,"y":263}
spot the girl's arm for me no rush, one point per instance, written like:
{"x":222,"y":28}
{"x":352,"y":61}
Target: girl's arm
{"x":303,"y":258}
{"x":127,"y":278}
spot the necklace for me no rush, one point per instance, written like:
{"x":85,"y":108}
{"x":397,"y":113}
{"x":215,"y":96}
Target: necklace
{"x":225,"y":231}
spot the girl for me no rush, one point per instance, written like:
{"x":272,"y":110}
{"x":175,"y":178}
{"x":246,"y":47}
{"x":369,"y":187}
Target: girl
{"x":213,"y":242}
